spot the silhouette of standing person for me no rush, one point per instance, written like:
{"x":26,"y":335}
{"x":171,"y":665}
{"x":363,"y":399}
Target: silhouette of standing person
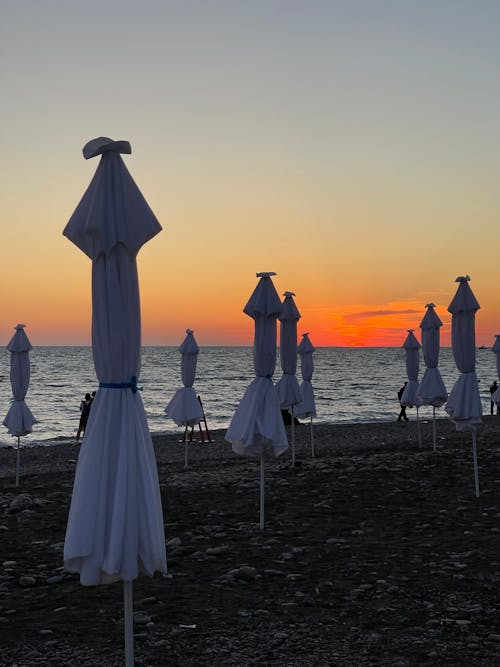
{"x":84,"y":415}
{"x":402,"y":413}
{"x":493,"y":389}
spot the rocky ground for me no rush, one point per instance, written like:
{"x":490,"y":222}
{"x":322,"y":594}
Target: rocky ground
{"x":375,"y":552}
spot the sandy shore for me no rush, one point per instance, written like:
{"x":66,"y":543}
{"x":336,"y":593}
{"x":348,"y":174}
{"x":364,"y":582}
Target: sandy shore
{"x":375,"y":552}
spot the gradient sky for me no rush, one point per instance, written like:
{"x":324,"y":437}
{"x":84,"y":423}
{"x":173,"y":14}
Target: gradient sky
{"x":351,"y":146}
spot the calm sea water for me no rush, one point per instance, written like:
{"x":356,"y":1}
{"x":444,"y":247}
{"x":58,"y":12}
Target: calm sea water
{"x":351,"y":385}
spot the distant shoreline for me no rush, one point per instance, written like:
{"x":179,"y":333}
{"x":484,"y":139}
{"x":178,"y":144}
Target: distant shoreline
{"x":328,"y":439}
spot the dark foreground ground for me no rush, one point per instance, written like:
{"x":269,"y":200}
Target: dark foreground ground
{"x":375,"y":552}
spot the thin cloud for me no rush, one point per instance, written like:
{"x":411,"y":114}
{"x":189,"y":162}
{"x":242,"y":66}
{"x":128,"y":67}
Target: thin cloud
{"x":380,"y":313}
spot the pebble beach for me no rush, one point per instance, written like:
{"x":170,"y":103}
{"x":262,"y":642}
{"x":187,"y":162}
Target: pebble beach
{"x":375,"y":552}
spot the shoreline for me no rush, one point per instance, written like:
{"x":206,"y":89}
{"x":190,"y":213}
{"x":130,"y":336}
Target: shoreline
{"x":328,"y":439}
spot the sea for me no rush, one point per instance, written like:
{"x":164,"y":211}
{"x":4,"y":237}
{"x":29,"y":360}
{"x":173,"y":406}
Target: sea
{"x":351,"y":385}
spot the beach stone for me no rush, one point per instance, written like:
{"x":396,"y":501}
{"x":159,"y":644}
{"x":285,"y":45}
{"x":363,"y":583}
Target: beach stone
{"x":217,"y":551}
{"x":174,"y":542}
{"x":246,"y":573}
{"x":20,"y":502}
{"x":141,"y":618}
{"x":26,"y":581}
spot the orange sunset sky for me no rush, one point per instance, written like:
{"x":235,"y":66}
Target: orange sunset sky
{"x":351,"y":147}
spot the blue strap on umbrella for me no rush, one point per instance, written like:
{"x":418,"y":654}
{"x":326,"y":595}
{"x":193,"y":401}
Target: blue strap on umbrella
{"x":122,"y":385}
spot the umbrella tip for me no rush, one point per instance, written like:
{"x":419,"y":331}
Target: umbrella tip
{"x":288,"y":293}
{"x":462,"y":279}
{"x":19,"y":326}
{"x":101,"y":145}
{"x":265,"y":274}
{"x":189,"y":331}
{"x":430,"y":305}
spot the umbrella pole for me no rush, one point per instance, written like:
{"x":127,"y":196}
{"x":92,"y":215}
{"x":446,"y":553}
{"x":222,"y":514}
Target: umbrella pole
{"x":185,"y":453}
{"x":418,"y":431}
{"x":17,"y":460}
{"x":262,"y":491}
{"x":129,"y":623}
{"x":312,"y":438}
{"x":293,"y":436}
{"x":434,"y":426}
{"x":474,"y":455}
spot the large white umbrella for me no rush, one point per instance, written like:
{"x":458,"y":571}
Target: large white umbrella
{"x":115,"y":524}
{"x":464,"y":402}
{"x":257,"y":422}
{"x":19,"y":419}
{"x":431,"y":389}
{"x":184,"y":408}
{"x":288,"y":386}
{"x":410,"y":395}
{"x":307,"y":406}
{"x":495,"y":397}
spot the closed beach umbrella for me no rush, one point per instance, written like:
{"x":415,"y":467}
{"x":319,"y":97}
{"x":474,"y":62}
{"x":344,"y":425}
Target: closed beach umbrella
{"x":288,"y":386}
{"x":495,"y":397}
{"x":115,"y":523}
{"x":307,"y":406}
{"x":431,"y":389}
{"x":410,"y":395}
{"x":184,"y":408}
{"x":19,"y":419}
{"x":257,"y":423}
{"x":464,"y":402}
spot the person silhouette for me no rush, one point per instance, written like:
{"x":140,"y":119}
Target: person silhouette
{"x":493,"y":389}
{"x":84,"y":415}
{"x":402,"y":413}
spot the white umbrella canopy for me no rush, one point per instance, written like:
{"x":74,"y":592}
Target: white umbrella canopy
{"x":496,"y":349}
{"x":288,"y":387}
{"x":410,"y":393}
{"x":184,"y":408}
{"x":19,"y":419}
{"x":115,"y":523}
{"x":307,"y":406}
{"x":464,"y":402}
{"x":431,"y":389}
{"x":257,"y":423}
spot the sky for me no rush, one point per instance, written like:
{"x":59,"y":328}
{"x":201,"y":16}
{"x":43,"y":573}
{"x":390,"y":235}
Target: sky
{"x":351,"y":146}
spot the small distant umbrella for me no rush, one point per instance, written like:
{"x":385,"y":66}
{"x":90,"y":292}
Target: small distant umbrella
{"x":288,"y":387}
{"x":464,"y":402}
{"x":410,"y":395}
{"x":115,"y":523}
{"x":431,"y":389}
{"x":495,"y":397}
{"x":307,"y":406}
{"x":19,"y":419}
{"x":257,"y":422}
{"x":184,"y":408}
